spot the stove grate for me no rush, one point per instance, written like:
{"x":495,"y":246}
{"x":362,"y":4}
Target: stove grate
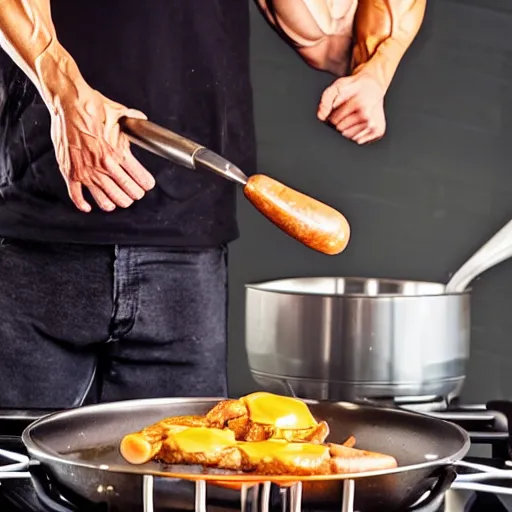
{"x":260,"y":496}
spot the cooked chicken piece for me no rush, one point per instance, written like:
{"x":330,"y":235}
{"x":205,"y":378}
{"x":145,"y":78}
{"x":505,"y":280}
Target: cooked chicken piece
{"x":255,"y":417}
{"x":218,"y":448}
{"x":204,"y":446}
{"x":261,"y":416}
{"x":261,"y":432}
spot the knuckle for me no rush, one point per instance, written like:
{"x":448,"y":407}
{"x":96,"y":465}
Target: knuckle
{"x":362,"y":109}
{"x":94,"y":179}
{"x":124,"y":182}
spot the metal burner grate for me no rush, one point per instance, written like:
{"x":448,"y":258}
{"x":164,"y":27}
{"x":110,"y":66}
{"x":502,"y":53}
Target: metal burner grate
{"x":256,"y":498}
{"x":291,"y":497}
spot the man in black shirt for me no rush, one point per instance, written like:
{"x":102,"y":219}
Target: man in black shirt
{"x":113,"y":279}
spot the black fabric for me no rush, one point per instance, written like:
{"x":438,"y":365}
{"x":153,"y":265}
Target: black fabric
{"x":185,"y":64}
{"x":109,"y":323}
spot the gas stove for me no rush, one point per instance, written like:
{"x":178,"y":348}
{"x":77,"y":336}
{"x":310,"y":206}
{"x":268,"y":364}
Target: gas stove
{"x":488,"y":426}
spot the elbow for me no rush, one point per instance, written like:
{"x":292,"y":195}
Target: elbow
{"x":331,"y":54}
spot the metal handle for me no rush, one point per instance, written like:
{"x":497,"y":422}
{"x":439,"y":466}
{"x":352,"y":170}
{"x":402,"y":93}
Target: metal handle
{"x":496,"y":250}
{"x":437,"y":494}
{"x":161,"y":141}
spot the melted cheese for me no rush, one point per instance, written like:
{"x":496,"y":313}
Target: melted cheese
{"x":203,"y":440}
{"x":296,"y":454}
{"x":282,"y":412}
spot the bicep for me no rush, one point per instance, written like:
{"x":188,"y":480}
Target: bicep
{"x":305,"y":22}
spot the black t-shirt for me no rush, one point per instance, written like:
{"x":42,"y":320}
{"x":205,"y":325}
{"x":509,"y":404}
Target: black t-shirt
{"x":185,"y":64}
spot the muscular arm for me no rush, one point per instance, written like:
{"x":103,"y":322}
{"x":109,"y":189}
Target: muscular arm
{"x":27,"y":34}
{"x":384,"y":30}
{"x":365,"y":39}
{"x":89,"y":147}
{"x":323,"y":32}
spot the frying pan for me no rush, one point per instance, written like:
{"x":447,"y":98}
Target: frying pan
{"x":309,"y":221}
{"x":79,"y":449}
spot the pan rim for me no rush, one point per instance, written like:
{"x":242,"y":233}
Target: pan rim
{"x":40,"y":455}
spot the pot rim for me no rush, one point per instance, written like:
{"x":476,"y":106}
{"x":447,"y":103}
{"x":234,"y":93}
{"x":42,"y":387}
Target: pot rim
{"x":272,"y":287}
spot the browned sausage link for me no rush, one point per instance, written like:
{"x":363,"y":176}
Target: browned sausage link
{"x":138,"y":448}
{"x":352,"y":460}
{"x":309,"y":221}
{"x":141,"y":447}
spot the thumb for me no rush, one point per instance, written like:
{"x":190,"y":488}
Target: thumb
{"x":112,"y":127}
{"x":136,"y":114}
{"x":335,"y":95}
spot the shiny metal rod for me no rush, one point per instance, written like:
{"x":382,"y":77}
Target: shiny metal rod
{"x":219,"y":165}
{"x":160,"y":141}
{"x":349,"y":491}
{"x":265,"y":497}
{"x":200,"y":505}
{"x":147,"y":493}
{"x":178,"y":149}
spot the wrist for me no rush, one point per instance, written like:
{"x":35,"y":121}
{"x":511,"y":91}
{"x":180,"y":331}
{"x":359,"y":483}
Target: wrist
{"x":60,"y":80}
{"x":377,"y":71}
{"x":382,"y":65}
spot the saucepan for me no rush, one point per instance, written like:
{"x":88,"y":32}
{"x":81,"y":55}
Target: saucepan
{"x":309,"y":221}
{"x":357,"y":338}
{"x":79,"y":450}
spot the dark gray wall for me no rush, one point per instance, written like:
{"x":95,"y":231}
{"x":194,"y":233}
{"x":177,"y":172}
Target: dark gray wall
{"x":421,"y":200}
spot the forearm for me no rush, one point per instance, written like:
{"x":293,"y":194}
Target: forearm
{"x":384,"y":30}
{"x":28,"y":35}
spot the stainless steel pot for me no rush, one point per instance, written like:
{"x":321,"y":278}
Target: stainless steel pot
{"x":337,"y":338}
{"x":341,"y":338}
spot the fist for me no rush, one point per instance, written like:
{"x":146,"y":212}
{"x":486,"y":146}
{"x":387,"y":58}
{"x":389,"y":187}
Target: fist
{"x":354,"y":105}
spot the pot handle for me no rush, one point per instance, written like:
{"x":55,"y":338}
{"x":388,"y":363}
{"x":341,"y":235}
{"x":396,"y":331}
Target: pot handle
{"x":494,"y":251}
{"x":435,"y":499}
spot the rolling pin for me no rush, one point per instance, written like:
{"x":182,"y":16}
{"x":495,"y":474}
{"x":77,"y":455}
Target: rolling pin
{"x":314,"y":224}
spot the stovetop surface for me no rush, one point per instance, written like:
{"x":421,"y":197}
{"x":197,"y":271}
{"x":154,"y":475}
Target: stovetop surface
{"x":487,"y":428}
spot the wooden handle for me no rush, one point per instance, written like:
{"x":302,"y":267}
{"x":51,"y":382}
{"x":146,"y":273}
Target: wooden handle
{"x":309,"y":221}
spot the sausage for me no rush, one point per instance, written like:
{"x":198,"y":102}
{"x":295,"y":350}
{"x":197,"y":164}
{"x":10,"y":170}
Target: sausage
{"x":309,"y":221}
{"x":352,"y":460}
{"x":141,"y":447}
{"x":138,"y":448}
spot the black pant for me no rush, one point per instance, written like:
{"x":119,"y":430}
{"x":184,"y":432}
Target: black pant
{"x":110,"y":323}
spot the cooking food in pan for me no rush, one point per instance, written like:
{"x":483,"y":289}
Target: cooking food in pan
{"x":261,"y":433}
